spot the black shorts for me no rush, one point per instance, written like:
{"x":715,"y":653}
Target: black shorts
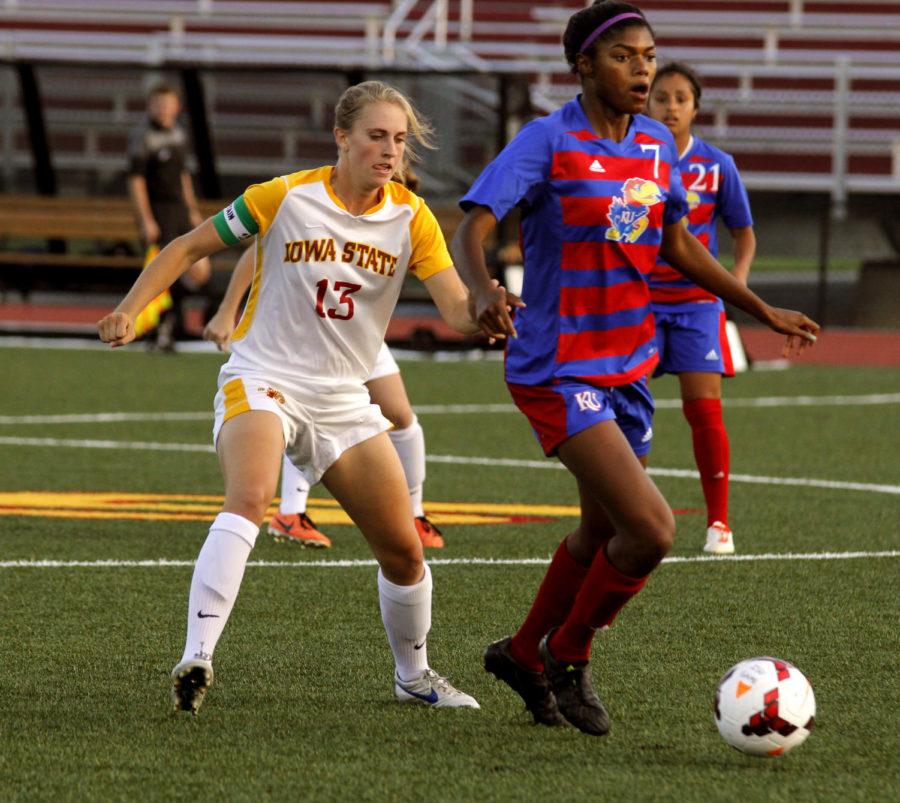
{"x":173,"y":221}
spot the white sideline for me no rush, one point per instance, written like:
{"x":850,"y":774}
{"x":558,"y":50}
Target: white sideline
{"x":350,"y":564}
{"x":462,"y":409}
{"x":151,"y":446}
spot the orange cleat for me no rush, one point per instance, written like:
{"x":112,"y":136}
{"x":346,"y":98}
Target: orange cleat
{"x":297,"y":528}
{"x":430,"y":535}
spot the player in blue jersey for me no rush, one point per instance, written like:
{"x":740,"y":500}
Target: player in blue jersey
{"x":690,"y":322}
{"x":600,"y":198}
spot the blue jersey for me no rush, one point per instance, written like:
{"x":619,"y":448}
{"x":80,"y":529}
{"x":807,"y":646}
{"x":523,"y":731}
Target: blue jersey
{"x":592,"y":216}
{"x":714,"y":190}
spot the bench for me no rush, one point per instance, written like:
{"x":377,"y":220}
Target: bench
{"x":84,"y":243}
{"x":75,"y":243}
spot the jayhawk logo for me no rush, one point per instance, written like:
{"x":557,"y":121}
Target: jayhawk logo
{"x":628,"y":212}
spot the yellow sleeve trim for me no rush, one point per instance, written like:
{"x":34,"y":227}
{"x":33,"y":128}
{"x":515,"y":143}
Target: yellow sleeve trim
{"x":429,"y":250}
{"x":250,"y":309}
{"x":263,"y":200}
{"x":308,"y":176}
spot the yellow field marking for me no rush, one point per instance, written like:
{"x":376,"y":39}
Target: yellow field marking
{"x":203,"y":507}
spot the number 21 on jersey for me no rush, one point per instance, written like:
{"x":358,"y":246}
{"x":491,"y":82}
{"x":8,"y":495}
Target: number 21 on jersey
{"x":700,"y":183}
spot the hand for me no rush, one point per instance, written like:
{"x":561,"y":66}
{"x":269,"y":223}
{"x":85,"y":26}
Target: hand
{"x":117,"y":329}
{"x":219,"y":330}
{"x":491,"y":309}
{"x":800,"y":330}
{"x":150,"y":231}
{"x":195,"y":217}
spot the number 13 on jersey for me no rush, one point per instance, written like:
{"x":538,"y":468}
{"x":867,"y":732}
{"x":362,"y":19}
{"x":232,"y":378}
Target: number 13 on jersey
{"x":344,"y":309}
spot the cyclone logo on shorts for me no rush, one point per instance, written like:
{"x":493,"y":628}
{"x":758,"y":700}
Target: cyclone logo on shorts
{"x":628,"y":212}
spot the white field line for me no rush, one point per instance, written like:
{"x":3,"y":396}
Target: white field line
{"x":151,"y":446}
{"x":462,"y":409}
{"x":351,"y":564}
{"x":104,"y":418}
{"x":675,"y":404}
{"x":672,"y":472}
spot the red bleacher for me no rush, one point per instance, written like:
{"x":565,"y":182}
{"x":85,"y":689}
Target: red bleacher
{"x":769,"y":69}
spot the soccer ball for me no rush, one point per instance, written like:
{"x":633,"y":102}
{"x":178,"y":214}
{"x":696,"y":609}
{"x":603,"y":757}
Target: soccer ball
{"x":764,"y":707}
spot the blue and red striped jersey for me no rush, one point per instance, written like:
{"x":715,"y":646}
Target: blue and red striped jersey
{"x":714,"y":190}
{"x":592,"y":213}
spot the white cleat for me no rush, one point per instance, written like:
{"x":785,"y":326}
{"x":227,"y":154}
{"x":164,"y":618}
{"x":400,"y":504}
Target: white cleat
{"x":190,"y":680}
{"x":719,"y":540}
{"x":432,"y":689}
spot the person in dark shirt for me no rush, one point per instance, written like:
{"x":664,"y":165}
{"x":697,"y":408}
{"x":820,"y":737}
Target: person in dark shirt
{"x":162,"y":194}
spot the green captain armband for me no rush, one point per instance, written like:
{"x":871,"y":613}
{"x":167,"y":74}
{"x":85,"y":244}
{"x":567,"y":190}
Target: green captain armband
{"x":235,"y":223}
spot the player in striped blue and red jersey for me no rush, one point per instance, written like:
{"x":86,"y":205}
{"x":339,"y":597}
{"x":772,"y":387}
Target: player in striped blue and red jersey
{"x":600,"y":198}
{"x":690,"y":321}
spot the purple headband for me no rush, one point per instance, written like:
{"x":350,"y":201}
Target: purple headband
{"x":609,"y":23}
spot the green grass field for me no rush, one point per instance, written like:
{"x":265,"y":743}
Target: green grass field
{"x":302,"y":707}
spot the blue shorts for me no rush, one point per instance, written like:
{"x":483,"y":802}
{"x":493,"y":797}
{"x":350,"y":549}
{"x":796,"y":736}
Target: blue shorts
{"x":559,"y":411}
{"x":692,"y":341}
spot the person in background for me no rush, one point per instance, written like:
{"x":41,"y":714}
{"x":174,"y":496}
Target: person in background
{"x":163,"y":199}
{"x":292,"y":524}
{"x":690,"y":321}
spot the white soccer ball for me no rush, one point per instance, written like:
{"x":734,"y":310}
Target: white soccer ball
{"x":764,"y":707}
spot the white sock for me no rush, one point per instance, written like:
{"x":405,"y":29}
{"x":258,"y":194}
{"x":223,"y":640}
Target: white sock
{"x":410,"y":446}
{"x":406,"y":613}
{"x":294,"y":489}
{"x":217,"y":579}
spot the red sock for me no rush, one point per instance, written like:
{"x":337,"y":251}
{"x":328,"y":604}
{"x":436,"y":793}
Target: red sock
{"x":711,"y":451}
{"x":603,"y":594}
{"x":550,"y":607}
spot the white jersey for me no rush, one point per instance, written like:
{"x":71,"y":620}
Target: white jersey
{"x":325,"y":282}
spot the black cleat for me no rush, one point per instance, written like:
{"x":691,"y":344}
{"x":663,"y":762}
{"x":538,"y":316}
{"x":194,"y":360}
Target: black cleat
{"x":574,"y":690}
{"x":531,"y":686}
{"x":190,"y":681}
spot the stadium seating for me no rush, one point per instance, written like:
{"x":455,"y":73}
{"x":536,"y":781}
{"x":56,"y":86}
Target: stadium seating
{"x":769,"y":67}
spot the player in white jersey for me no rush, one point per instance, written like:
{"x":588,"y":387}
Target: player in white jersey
{"x":386,"y":389}
{"x":332,"y":248}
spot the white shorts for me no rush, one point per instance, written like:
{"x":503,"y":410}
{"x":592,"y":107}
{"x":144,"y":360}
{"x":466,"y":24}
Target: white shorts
{"x":385,"y":364}
{"x":317,"y":428}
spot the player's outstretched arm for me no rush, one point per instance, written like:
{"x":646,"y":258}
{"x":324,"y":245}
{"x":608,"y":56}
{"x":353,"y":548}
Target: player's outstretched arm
{"x":452,"y":300}
{"x":685,"y":253}
{"x":117,"y":328}
{"x":491,"y":303}
{"x":221,"y":326}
